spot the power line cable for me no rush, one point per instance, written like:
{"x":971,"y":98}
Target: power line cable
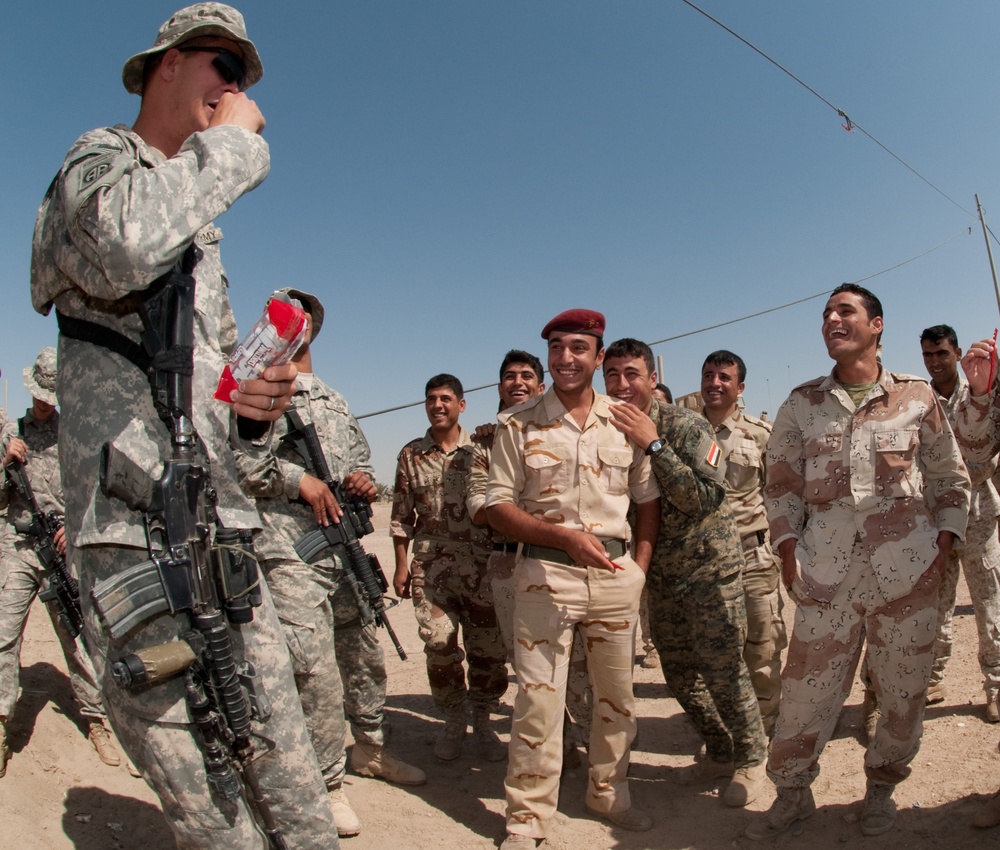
{"x":912,"y":259}
{"x":849,"y":126}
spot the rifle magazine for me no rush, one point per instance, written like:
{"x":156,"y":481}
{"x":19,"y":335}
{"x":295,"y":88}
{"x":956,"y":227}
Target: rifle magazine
{"x":129,"y":598}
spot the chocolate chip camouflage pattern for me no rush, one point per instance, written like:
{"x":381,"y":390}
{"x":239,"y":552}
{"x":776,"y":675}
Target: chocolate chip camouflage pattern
{"x":979,"y":559}
{"x":743,"y":441}
{"x":864,"y":490}
{"x":117,"y":216}
{"x":448,"y":571}
{"x":696,"y":604}
{"x":329,"y":643}
{"x":21,"y":570}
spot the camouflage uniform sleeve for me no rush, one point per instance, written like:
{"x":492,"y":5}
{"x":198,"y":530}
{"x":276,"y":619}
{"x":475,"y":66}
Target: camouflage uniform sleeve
{"x":785,"y":475}
{"x":403,"y":517}
{"x":133,"y":223}
{"x":475,"y":486}
{"x":977,"y":427}
{"x":947,"y":486}
{"x":505,"y":481}
{"x":683,"y":468}
{"x":360,"y":451}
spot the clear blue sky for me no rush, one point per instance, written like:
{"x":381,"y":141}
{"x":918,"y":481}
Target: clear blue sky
{"x":449,"y":175}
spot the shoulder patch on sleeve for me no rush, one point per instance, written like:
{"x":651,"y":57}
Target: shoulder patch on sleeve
{"x":714,"y":455}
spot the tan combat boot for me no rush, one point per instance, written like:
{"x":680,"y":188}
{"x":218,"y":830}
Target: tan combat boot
{"x":490,"y":746}
{"x":344,"y":817}
{"x":448,"y":746}
{"x":651,"y":661}
{"x":746,"y":784}
{"x":790,"y":806}
{"x":101,"y":741}
{"x":377,"y":762}
{"x":4,"y":749}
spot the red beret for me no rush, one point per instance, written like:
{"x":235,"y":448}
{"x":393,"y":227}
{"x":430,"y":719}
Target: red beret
{"x":576,"y":322}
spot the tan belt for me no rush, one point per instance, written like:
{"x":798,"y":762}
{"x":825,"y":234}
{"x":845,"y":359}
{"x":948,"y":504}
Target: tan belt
{"x":614,"y":546}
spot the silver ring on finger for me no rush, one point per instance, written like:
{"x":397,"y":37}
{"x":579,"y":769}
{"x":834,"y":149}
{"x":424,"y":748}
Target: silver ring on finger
{"x":272,"y":404}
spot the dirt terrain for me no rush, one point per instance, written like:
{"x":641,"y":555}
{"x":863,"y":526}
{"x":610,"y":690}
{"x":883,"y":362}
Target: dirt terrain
{"x":58,"y":795}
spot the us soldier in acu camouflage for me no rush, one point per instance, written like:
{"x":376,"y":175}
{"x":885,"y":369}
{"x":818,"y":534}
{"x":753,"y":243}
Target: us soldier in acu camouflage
{"x":866,"y":490}
{"x":695,"y":587}
{"x":338,"y":662}
{"x":122,"y":211}
{"x":34,"y":443}
{"x":447,"y":577}
{"x":743,"y":441}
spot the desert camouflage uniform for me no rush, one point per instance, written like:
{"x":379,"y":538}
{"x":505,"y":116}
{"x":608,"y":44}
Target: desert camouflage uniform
{"x":696,"y":599}
{"x":21,"y":572}
{"x":500,"y":571}
{"x":864,"y":490}
{"x":448,"y":571}
{"x":979,"y":559}
{"x":329,"y":643}
{"x":545,"y":464}
{"x":743,"y":441}
{"x":116,"y":217}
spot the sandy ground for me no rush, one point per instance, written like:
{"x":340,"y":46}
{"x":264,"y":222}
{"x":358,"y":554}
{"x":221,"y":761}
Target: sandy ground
{"x":58,"y":795}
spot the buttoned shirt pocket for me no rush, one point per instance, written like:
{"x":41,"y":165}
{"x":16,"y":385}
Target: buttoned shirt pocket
{"x":894,"y":452}
{"x":613,"y":475}
{"x":546,"y":470}
{"x":826,"y":477}
{"x":744,"y":466}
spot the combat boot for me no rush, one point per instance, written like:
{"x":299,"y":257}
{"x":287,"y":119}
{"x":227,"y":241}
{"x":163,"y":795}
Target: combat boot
{"x":448,"y":746}
{"x":4,"y":749}
{"x":869,"y":716}
{"x":344,"y":817}
{"x":879,"y":813}
{"x":790,"y":806}
{"x":101,"y":741}
{"x":702,"y":771}
{"x":490,"y":746}
{"x":651,"y":661}
{"x":988,"y":814}
{"x":992,"y":709}
{"x":377,"y":762}
{"x":745,"y":786}
{"x":935,"y":693}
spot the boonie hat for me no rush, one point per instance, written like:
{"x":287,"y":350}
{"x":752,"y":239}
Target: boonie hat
{"x":40,"y":379}
{"x":576,"y":321}
{"x":197,"y":20}
{"x":312,"y":306}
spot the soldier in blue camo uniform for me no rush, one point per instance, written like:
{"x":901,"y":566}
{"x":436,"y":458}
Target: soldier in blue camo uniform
{"x":696,"y":603}
{"x":329,"y":642}
{"x":121,"y":212}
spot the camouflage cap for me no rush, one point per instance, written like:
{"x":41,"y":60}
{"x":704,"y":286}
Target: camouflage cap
{"x":200,"y":19}
{"x":40,"y":379}
{"x":312,"y":306}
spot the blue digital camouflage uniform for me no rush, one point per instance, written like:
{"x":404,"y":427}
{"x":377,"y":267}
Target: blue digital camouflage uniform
{"x":696,"y":603}
{"x":339,"y":664}
{"x":117,"y":216}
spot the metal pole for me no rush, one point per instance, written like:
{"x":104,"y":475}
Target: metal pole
{"x":989,"y":251}
{"x":659,"y":369}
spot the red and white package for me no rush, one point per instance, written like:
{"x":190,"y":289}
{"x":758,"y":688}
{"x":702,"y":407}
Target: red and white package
{"x":273,"y":341}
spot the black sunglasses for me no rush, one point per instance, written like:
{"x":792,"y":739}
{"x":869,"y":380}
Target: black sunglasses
{"x":227,"y":63}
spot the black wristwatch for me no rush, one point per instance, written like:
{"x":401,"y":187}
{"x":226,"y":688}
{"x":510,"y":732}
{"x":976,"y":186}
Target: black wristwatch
{"x":654,"y":447}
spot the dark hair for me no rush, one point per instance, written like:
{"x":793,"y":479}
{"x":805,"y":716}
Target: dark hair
{"x":663,"y":388}
{"x":515,"y":355}
{"x":445,"y":380}
{"x":727,"y":358}
{"x":628,"y":347}
{"x":873,"y":307}
{"x":936,"y":333}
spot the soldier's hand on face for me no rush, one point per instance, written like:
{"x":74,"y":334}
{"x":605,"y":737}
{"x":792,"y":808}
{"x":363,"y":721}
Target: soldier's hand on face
{"x":236,"y":108}
{"x":59,"y":541}
{"x":484,"y":433}
{"x":977,"y":363}
{"x":320,"y":499}
{"x":268,"y":397}
{"x":16,"y":448}
{"x":634,"y":424}
{"x":359,"y":484}
{"x":401,"y":581}
{"x":587,"y":551}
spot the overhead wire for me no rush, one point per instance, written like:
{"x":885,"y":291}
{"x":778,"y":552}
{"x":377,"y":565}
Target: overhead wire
{"x":967,"y":230}
{"x":851,"y":124}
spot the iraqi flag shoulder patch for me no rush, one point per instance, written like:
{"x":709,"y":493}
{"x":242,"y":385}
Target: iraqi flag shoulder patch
{"x":714,"y":456}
